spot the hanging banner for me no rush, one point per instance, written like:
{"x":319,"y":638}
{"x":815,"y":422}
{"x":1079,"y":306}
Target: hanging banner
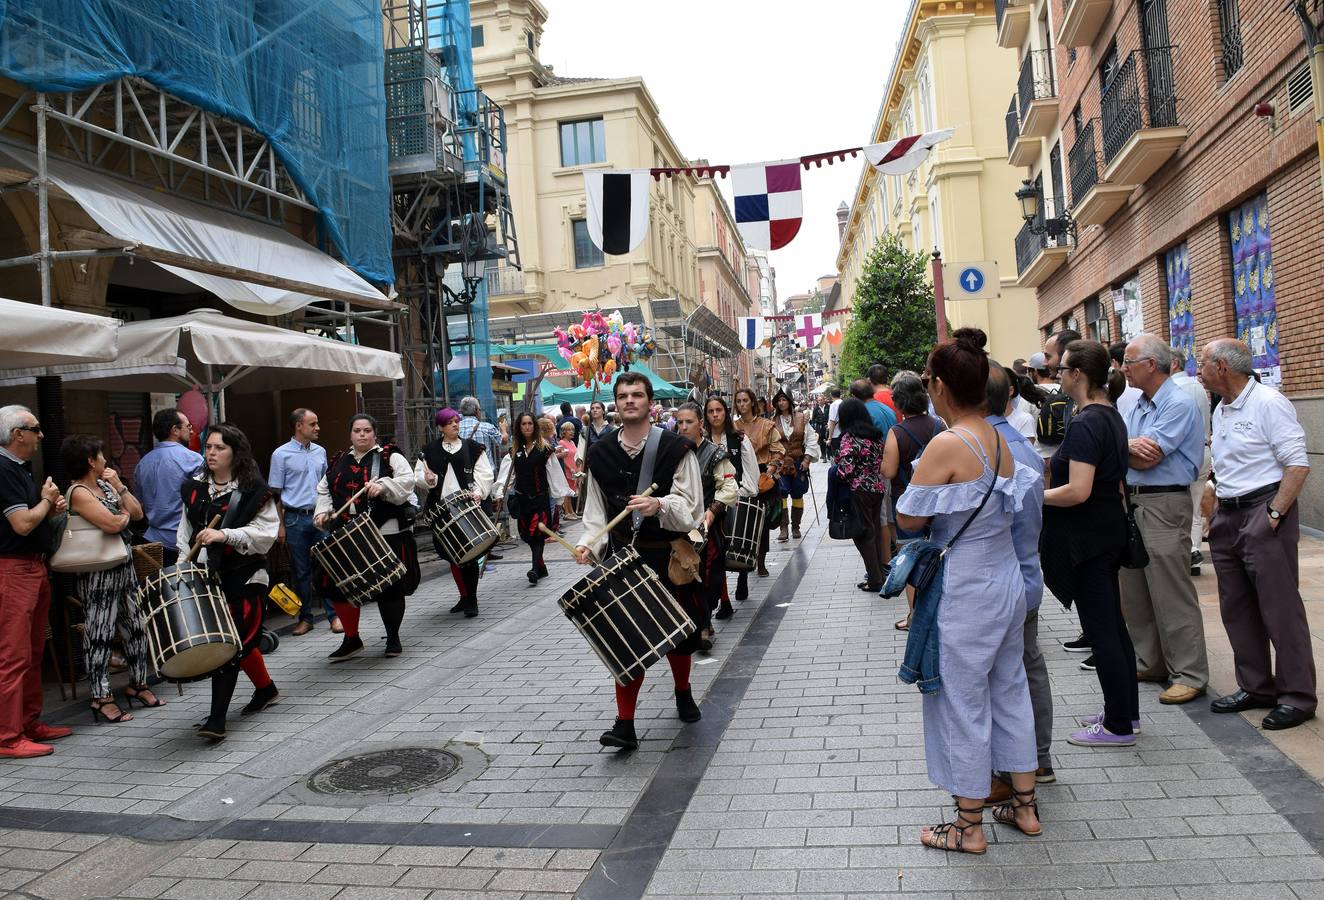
{"x":768,"y":208}
{"x":751,"y":332}
{"x":617,"y":207}
{"x":900,"y":156}
{"x":808,"y":329}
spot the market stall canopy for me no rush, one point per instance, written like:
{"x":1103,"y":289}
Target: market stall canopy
{"x":34,"y":335}
{"x":217,"y":352}
{"x":253,"y":266}
{"x":662,"y":389}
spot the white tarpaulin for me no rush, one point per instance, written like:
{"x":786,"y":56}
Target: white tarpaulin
{"x":139,"y":215}
{"x":34,"y":335}
{"x":218,"y":353}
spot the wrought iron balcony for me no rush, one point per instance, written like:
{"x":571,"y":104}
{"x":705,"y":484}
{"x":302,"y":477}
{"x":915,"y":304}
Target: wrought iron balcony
{"x":1013,"y":126}
{"x":1229,"y":24}
{"x":1040,"y":255}
{"x":1139,"y":117}
{"x":1036,"y":92}
{"x":1093,"y":201}
{"x":1081,"y":21}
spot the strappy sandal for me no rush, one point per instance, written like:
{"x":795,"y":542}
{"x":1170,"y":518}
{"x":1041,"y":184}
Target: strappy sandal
{"x":1005,"y":813}
{"x":99,"y":713}
{"x":135,"y":692}
{"x":937,"y":837}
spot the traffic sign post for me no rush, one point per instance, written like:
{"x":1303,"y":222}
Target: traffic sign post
{"x":973,"y":280}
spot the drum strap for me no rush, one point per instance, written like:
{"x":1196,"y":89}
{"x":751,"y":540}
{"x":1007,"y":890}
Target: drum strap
{"x":646,"y":472}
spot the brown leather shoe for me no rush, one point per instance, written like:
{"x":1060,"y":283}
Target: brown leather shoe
{"x":336,"y":627}
{"x":1153,"y":679}
{"x":303,"y":627}
{"x":1001,"y":793}
{"x":1180,"y":693}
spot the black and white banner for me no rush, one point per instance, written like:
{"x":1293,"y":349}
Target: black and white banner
{"x":617,"y":204}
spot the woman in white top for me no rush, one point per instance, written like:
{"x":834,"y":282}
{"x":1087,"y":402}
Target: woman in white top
{"x":740,"y":451}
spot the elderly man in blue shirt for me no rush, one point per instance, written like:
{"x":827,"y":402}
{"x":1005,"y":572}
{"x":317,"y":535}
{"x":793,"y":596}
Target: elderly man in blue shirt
{"x":160,"y":474}
{"x":1166,"y":446}
{"x":1025,"y":528}
{"x":296,"y":468}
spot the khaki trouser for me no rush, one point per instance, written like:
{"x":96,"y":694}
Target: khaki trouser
{"x":1159,"y":602}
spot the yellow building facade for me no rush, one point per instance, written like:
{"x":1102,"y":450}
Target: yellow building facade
{"x":557,"y":127}
{"x":948,"y":73}
{"x":728,"y":275}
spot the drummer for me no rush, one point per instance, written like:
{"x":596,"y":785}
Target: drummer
{"x":672,"y":511}
{"x":531,"y":466}
{"x":768,"y":449}
{"x":390,"y":491}
{"x":719,"y":492}
{"x":230,"y":486}
{"x":722,"y":432}
{"x":448,"y":465}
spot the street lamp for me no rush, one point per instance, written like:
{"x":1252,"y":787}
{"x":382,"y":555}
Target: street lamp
{"x":1031,"y":199}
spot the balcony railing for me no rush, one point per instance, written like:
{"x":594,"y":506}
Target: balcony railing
{"x":1141,"y":95}
{"x":1229,"y":23}
{"x":1083,"y":162}
{"x":1013,"y":126}
{"x":504,"y":280}
{"x":999,"y":10}
{"x":1036,"y":79}
{"x":1030,"y":245}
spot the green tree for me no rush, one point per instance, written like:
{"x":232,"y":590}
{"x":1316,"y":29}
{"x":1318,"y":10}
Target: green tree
{"x":894,"y":321}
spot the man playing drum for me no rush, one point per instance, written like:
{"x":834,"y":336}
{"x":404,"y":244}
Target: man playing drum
{"x":230,"y":486}
{"x":449,"y":464}
{"x":615,"y":464}
{"x":390,"y":484}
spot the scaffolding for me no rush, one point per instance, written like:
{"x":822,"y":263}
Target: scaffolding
{"x":451,"y":216}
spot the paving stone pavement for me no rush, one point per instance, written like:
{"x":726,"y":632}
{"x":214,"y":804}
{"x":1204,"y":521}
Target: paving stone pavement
{"x":806,"y":777}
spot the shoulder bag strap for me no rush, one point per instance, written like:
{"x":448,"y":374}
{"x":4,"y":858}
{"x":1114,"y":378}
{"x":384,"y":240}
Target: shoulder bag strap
{"x":997,"y":464}
{"x":646,"y":471}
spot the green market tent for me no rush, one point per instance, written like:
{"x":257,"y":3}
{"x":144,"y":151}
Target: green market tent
{"x":662,"y":389}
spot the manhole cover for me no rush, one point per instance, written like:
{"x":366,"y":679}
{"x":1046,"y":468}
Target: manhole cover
{"x":396,"y":771}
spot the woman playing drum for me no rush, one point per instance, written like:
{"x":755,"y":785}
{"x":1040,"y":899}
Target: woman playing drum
{"x":231,"y":487}
{"x":722,"y":431}
{"x":768,"y":449}
{"x":449,"y":464}
{"x":719,"y":491}
{"x":390,"y":486}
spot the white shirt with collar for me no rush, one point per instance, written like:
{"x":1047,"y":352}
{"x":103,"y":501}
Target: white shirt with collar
{"x":1255,"y":437}
{"x":397,"y":487}
{"x":427,"y":479}
{"x":1197,"y":393}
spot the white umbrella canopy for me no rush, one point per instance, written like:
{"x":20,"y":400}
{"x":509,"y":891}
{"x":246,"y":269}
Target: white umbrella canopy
{"x":211,"y":350}
{"x":32,"y":335}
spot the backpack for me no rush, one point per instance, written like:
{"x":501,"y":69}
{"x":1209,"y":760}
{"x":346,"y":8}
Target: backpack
{"x":1054,"y":416}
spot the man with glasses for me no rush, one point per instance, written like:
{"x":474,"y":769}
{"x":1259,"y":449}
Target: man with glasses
{"x":25,"y":590}
{"x":159,"y":476}
{"x":1166,"y":446}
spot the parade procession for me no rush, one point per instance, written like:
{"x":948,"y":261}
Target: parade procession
{"x":472,"y":387}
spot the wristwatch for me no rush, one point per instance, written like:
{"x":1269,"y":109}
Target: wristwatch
{"x":1274,"y":514}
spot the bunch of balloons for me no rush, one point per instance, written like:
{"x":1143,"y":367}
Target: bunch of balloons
{"x":599,"y":345}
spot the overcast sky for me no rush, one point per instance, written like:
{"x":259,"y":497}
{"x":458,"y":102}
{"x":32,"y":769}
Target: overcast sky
{"x":741,"y":81}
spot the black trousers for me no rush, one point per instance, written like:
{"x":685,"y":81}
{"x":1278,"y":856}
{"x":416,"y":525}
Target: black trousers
{"x":1099,"y":605}
{"x":869,"y":506}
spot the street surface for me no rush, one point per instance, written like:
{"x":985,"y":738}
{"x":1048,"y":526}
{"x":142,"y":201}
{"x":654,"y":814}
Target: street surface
{"x":805,"y":777}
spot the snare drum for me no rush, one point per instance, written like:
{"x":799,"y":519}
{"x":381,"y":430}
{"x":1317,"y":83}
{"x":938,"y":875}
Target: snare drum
{"x":463,"y":531}
{"x":358,"y":560}
{"x":189,"y":624}
{"x":744,"y":529}
{"x":627,"y":615}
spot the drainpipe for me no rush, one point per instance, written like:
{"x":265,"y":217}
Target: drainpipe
{"x":1315,"y":51}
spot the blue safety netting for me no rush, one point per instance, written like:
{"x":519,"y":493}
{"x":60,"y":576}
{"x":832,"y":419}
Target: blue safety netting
{"x":305,"y":74}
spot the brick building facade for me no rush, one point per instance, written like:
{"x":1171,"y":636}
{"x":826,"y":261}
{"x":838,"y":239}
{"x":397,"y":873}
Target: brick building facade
{"x":1196,"y":217}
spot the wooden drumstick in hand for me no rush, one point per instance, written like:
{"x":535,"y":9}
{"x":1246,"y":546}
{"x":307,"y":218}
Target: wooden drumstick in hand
{"x":589,"y":542}
{"x":560,"y":540}
{"x":197,"y":544}
{"x":350,"y":502}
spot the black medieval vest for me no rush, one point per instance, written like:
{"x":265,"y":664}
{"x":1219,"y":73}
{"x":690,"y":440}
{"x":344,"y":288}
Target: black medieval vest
{"x":617,"y":476}
{"x":344,"y":477}
{"x":462,"y":461}
{"x":233,"y":567}
{"x":530,"y":468}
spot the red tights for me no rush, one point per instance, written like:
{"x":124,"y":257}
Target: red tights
{"x":348,"y":614}
{"x":628,"y":695}
{"x":255,"y":667}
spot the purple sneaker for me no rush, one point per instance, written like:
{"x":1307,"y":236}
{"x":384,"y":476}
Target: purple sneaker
{"x":1097,"y":719}
{"x":1098,"y":736}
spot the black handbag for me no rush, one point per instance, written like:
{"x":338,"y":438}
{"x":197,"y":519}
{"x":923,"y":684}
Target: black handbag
{"x":1134,"y":554}
{"x":845,"y":524}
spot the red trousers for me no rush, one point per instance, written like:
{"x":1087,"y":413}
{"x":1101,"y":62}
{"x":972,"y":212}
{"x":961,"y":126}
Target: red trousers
{"x":25,"y":602}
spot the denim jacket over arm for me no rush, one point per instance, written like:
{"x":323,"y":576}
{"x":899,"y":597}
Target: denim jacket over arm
{"x":920,"y":663}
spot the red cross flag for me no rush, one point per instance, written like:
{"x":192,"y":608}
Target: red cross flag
{"x":808,"y":328}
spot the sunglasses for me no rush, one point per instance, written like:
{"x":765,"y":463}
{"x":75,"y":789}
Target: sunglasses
{"x":35,"y":429}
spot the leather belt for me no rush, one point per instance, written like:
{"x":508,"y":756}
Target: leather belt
{"x":302,"y":512}
{"x":1157,"y":489}
{"x":1253,"y":497}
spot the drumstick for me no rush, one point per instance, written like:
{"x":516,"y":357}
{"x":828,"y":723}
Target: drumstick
{"x":350,"y":502}
{"x":197,"y":545}
{"x":589,"y":542}
{"x":560,"y":540}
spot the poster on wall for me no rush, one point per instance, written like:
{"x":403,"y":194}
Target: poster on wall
{"x":1253,"y":287}
{"x":1181,"y":320}
{"x":1126,"y":303}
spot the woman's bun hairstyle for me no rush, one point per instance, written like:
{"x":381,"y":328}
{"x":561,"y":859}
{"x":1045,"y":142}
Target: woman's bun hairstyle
{"x":972,"y":339}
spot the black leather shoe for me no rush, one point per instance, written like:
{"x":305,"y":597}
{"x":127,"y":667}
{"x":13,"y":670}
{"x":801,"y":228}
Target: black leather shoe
{"x":262,"y":698}
{"x":459,"y":607}
{"x":724,"y":612}
{"x":686,"y":708}
{"x":1285,"y":716}
{"x":1239,"y":700}
{"x":621,"y":736}
{"x":532,"y":576}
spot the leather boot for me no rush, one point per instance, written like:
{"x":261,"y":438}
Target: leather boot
{"x":742,"y":587}
{"x":763,"y":566}
{"x":686,"y":708}
{"x":621,"y":736}
{"x":797,"y":513}
{"x":783,"y":536}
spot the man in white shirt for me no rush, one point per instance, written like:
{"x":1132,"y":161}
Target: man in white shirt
{"x":1260,"y":467}
{"x":1117,"y":352}
{"x":1201,"y":397}
{"x":833,"y":427}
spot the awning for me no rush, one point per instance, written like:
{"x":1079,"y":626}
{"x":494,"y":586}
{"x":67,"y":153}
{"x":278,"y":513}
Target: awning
{"x":35,"y":335}
{"x":251,"y":265}
{"x":662,"y":389}
{"x":217,"y":352}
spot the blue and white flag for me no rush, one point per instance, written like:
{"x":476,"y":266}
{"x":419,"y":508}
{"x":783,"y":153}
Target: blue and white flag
{"x":751,"y":332}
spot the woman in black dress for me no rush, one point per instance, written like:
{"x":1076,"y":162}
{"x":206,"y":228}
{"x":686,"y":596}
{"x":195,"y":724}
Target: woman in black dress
{"x":529,"y":454}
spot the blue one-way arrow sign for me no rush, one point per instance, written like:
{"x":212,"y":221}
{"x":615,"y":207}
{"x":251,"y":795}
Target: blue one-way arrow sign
{"x":971,"y":280}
